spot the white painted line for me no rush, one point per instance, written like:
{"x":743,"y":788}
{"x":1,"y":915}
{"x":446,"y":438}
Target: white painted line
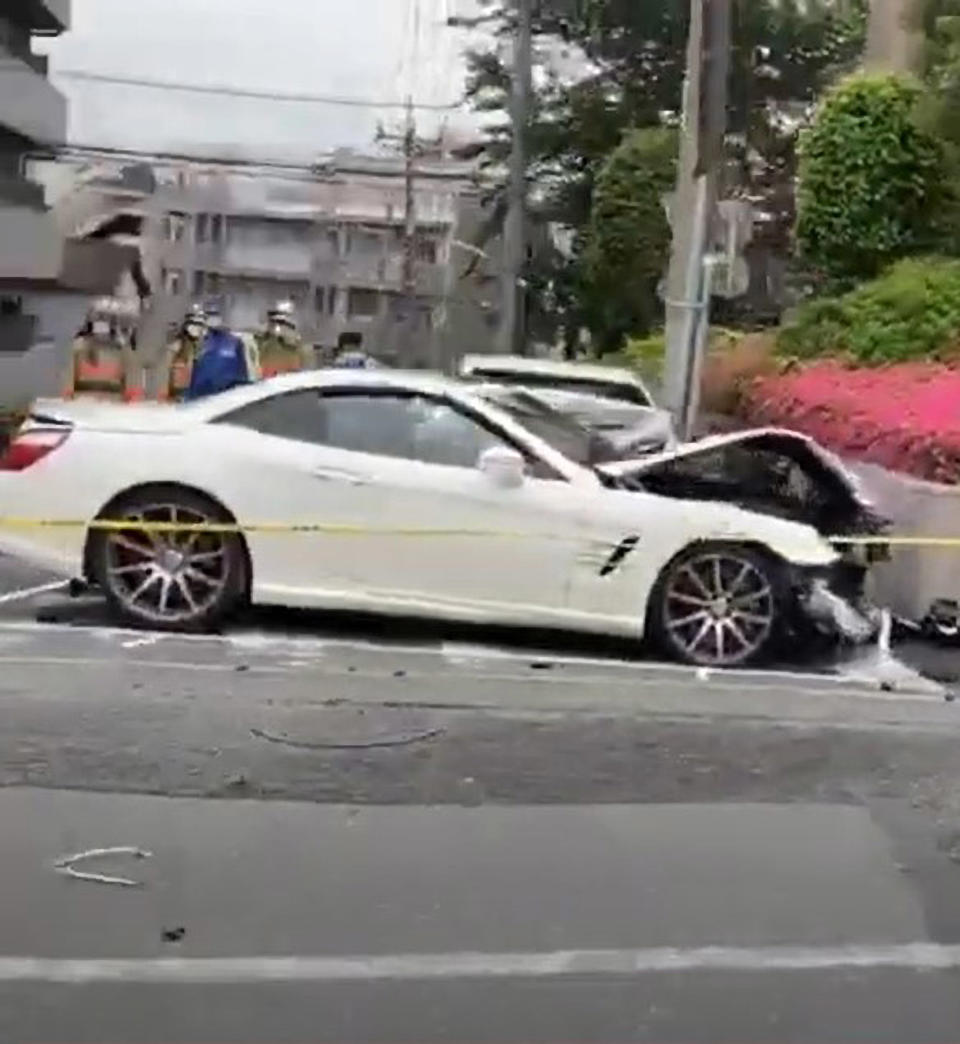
{"x":462,"y":654}
{"x":29,"y":592}
{"x":455,"y":652}
{"x":911,"y":687}
{"x":919,"y":956}
{"x":136,"y":643}
{"x":540,"y":680}
{"x":120,"y":664}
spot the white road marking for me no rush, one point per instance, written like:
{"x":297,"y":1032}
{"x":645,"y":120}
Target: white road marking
{"x":913,"y":957}
{"x":29,"y":592}
{"x":463,"y":654}
{"x":626,"y":685}
{"x":175,"y":665}
{"x":911,"y":686}
{"x":136,"y":643}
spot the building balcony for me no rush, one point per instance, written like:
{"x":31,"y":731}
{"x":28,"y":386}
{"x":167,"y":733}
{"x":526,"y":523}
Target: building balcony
{"x":385,"y":273}
{"x":29,"y":104}
{"x":17,"y":333}
{"x":31,"y":247}
{"x":21,"y":192}
{"x":57,"y":14}
{"x":41,"y":17}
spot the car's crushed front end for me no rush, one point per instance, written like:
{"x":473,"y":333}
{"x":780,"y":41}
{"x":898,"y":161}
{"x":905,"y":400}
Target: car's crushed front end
{"x":831,"y":604}
{"x":784,"y":475}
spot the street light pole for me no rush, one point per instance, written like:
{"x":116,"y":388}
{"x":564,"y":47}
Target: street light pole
{"x":512,"y":337}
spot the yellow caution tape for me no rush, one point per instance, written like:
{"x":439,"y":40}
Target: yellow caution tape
{"x":122,"y":525}
{"x":895,"y":541}
{"x":134,"y":525}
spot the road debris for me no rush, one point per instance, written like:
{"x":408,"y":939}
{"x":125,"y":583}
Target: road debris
{"x":67,"y":865}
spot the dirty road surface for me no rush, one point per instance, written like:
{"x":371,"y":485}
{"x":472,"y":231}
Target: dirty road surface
{"x":332,"y":835}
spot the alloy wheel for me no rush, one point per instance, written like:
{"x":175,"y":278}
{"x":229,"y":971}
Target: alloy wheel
{"x":166,"y":577}
{"x":719,"y":608}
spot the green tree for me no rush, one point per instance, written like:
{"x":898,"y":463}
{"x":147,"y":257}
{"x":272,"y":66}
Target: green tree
{"x":634,"y":55}
{"x":939,"y":108}
{"x":628,"y":238}
{"x":871,"y":179}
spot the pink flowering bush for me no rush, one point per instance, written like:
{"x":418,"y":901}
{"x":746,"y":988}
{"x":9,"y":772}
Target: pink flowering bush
{"x":905,"y":417}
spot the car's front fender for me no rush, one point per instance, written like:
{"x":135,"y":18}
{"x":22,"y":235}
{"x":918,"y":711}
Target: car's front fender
{"x":794,"y":542}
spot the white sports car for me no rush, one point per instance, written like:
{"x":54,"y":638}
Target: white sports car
{"x":425,"y":499}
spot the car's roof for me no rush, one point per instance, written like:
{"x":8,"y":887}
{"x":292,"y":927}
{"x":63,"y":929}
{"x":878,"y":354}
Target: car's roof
{"x":521,"y":364}
{"x":418,"y":380}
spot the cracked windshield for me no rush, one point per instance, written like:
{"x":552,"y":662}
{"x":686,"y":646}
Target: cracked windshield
{"x":479,"y":521}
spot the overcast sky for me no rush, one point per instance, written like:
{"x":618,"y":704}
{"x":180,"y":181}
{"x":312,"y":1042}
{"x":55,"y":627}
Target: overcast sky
{"x":368,"y":49}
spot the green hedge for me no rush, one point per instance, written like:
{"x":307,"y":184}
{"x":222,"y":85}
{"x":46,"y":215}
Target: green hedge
{"x":912,"y":311}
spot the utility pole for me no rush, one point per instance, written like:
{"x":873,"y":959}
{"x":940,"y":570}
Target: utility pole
{"x":409,"y":236}
{"x":512,"y":334}
{"x":687,"y":297}
{"x":412,"y":146}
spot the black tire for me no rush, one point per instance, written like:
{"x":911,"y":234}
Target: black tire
{"x":696,"y":625}
{"x":201,"y":592}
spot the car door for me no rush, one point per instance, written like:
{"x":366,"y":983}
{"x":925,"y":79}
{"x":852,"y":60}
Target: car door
{"x":427,"y":527}
{"x":270,"y":469}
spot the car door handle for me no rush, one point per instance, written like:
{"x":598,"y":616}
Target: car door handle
{"x":353,"y":478}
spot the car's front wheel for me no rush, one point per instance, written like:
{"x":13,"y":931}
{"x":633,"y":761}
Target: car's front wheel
{"x":156,"y":576}
{"x":719,"y":605}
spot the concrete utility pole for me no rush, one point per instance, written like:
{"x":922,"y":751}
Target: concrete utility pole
{"x":687,"y":297}
{"x":512,"y":334}
{"x":409,"y":237}
{"x":412,"y":146}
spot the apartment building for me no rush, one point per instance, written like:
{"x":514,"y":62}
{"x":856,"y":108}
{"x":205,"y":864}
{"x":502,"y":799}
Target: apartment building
{"x":333,"y":241}
{"x":46,"y":279}
{"x":33,"y":113}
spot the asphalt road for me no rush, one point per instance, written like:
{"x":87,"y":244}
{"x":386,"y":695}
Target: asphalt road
{"x":364,"y":833}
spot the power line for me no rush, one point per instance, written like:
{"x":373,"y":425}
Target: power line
{"x":80,"y":151}
{"x":323,"y":165}
{"x":243,"y":92}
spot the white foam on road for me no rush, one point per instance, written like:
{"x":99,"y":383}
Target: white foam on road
{"x":913,"y":957}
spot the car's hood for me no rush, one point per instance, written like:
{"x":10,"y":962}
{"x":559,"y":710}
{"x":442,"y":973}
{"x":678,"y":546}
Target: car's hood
{"x":800,"y":447}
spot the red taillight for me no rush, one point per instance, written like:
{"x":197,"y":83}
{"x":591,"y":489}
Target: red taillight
{"x":27,"y":447}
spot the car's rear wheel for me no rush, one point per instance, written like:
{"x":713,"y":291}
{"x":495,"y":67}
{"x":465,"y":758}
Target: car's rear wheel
{"x":168,"y":579}
{"x":720,"y":605}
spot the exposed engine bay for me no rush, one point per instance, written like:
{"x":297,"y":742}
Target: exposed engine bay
{"x":770,"y":471}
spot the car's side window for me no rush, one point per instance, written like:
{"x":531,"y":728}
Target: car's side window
{"x":413,"y":427}
{"x":294,"y":415}
{"x":388,"y":424}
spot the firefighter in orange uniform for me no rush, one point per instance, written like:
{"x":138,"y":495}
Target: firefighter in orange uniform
{"x":102,"y":361}
{"x":182,"y":352}
{"x":280,"y":349}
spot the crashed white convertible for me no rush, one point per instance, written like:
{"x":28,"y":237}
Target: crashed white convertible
{"x":406,"y":493}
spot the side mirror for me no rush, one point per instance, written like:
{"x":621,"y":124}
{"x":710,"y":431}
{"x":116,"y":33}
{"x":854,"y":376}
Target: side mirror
{"x":504,"y":467}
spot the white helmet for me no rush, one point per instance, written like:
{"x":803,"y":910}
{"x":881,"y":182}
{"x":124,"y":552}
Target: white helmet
{"x":283,"y":313}
{"x":101,"y":308}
